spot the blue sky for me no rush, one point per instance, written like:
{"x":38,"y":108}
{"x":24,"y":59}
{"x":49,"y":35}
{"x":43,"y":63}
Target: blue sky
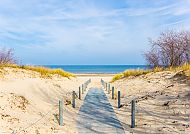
{"x":87,"y":31}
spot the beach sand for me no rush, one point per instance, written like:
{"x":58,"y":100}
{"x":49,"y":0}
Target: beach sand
{"x":29,"y":103}
{"x":162,"y":103}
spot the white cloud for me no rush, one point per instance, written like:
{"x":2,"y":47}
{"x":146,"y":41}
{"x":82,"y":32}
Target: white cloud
{"x":73,"y":26}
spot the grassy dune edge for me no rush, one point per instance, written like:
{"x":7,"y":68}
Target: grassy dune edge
{"x":137,"y":72}
{"x":44,"y":71}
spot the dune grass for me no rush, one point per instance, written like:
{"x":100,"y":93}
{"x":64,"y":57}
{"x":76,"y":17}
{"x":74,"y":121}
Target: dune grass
{"x":137,"y":72}
{"x":44,"y":71}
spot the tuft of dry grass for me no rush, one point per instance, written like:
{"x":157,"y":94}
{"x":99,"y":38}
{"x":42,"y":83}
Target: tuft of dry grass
{"x":128,"y":73}
{"x":44,"y":71}
{"x":185,"y":68}
{"x":137,"y":72}
{"x":1,"y":74}
{"x":117,"y":77}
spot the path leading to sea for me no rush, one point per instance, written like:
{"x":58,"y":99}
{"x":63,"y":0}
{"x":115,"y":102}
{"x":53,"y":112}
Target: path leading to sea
{"x":96,"y":115}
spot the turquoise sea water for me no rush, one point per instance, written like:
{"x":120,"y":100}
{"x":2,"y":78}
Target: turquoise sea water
{"x":97,"y":68}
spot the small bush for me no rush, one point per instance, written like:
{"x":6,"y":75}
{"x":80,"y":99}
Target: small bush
{"x":7,"y":56}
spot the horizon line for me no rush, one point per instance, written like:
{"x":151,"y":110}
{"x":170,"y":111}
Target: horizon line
{"x":89,"y":64}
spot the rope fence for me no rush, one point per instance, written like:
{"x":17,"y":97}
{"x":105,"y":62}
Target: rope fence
{"x":135,"y":108}
{"x":58,"y":107}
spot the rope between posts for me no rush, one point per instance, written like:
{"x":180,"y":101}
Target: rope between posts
{"x":34,"y":123}
{"x":155,"y":118}
{"x":138,"y":106}
{"x":45,"y":115}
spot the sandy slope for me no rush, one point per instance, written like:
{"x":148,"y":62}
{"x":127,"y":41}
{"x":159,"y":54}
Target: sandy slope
{"x":162,"y":103}
{"x":28,"y":103}
{"x":26,"y":98}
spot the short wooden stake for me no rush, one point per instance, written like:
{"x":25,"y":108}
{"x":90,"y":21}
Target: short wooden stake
{"x":60,"y":112}
{"x":82,"y":91}
{"x":108,"y":88}
{"x":133,"y":114}
{"x":73,"y":98}
{"x":119,"y":97}
{"x":83,"y":87}
{"x":79,"y":93}
{"x":112,"y":93}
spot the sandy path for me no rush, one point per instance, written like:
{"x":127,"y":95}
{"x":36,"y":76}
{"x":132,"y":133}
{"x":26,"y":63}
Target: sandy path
{"x":96,"y":115}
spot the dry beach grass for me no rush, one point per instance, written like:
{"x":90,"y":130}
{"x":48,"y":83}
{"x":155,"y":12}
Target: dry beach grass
{"x":29,"y":102}
{"x":137,"y":72}
{"x":162,"y":102}
{"x":44,"y":71}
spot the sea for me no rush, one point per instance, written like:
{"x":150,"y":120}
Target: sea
{"x":96,"y":69}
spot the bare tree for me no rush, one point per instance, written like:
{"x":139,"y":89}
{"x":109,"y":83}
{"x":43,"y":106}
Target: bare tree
{"x":172,"y":48}
{"x":7,"y":56}
{"x":152,"y":58}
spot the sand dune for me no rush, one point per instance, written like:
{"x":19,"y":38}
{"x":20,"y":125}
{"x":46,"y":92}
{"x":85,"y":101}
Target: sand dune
{"x":26,"y":98}
{"x":162,"y":103}
{"x":29,"y":103}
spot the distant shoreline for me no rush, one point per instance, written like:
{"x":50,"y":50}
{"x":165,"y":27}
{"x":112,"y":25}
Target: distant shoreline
{"x":96,"y":69}
{"x":94,"y":74}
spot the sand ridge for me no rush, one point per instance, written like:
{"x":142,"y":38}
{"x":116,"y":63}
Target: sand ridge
{"x":29,"y":102}
{"x":162,"y":103}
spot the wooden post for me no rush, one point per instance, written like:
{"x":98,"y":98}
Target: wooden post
{"x":112,"y":93}
{"x":108,"y":88}
{"x":119,"y":97}
{"x":133,"y":114}
{"x":73,"y":98}
{"x":60,"y":112}
{"x":79,"y":93}
{"x":83,"y":88}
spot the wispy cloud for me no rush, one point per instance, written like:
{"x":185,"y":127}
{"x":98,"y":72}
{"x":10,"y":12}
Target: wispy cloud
{"x":77,"y":29}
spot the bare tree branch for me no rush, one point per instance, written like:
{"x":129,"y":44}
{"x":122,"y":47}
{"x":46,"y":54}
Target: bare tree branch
{"x":172,"y":48}
{"x":7,"y":56}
